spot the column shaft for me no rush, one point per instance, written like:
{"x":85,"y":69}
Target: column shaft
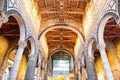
{"x":39,"y":68}
{"x":31,"y":69}
{"x":90,"y":67}
{"x":16,"y":65}
{"x":79,"y":75}
{"x":83,"y":65}
{"x":78,"y":71}
{"x":106,"y":65}
{"x":43,"y":71}
{"x":31,"y":66}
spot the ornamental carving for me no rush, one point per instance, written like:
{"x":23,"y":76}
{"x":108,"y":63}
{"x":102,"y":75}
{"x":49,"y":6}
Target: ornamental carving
{"x":113,"y":5}
{"x":22,"y":44}
{"x":101,"y":46}
{"x":12,"y":4}
{"x":28,"y":32}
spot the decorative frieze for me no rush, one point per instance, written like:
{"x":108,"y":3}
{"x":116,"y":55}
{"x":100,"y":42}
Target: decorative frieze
{"x":12,"y":4}
{"x":113,"y":5}
{"x":28,"y":32}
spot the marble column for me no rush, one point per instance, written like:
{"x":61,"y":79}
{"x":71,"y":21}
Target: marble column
{"x":43,"y":70}
{"x":39,"y":67}
{"x":46,"y":74}
{"x":17,"y":60}
{"x":78,"y":71}
{"x":105,"y":62}
{"x":83,"y":67}
{"x":31,"y":65}
{"x":90,"y":66}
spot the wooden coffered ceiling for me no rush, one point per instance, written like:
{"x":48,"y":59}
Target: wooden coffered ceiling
{"x":61,"y":39}
{"x":62,"y":9}
{"x":10,"y":29}
{"x":112,"y":30}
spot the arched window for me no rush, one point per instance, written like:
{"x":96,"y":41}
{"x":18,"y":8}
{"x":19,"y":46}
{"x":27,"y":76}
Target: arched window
{"x":61,"y":64}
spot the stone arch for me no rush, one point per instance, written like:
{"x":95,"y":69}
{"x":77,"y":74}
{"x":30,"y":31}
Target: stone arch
{"x":17,"y":15}
{"x":89,"y":58}
{"x":80,"y":35}
{"x":32,"y":44}
{"x":32,"y":59}
{"x":72,"y":61}
{"x":101,"y":41}
{"x":90,"y":45}
{"x":102,"y":23}
{"x":60,"y":50}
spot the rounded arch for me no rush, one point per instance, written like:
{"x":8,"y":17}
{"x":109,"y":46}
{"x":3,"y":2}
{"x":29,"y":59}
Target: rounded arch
{"x":64,"y":50}
{"x":20,"y":21}
{"x":102,"y":23}
{"x":90,"y":46}
{"x":32,"y":44}
{"x":80,"y":35}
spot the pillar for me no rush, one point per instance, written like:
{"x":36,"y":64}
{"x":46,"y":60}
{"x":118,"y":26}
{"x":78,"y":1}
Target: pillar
{"x":78,"y":71}
{"x":39,"y":67}
{"x":43,"y":70}
{"x":46,"y":74}
{"x":83,"y":66}
{"x":90,"y":65}
{"x":105,"y":62}
{"x":22,"y":68}
{"x":17,"y":60}
{"x":31,"y":65}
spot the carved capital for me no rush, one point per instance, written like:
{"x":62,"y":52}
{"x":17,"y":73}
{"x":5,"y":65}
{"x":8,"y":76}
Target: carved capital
{"x":91,"y":58}
{"x":31,"y":56}
{"x":3,"y":18}
{"x":82,"y":65}
{"x":118,"y":22}
{"x":22,"y":44}
{"x":101,"y":46}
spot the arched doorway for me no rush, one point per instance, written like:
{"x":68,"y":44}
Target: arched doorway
{"x":61,"y":64}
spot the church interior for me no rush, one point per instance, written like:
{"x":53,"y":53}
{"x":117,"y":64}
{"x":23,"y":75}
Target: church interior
{"x":59,"y":40}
